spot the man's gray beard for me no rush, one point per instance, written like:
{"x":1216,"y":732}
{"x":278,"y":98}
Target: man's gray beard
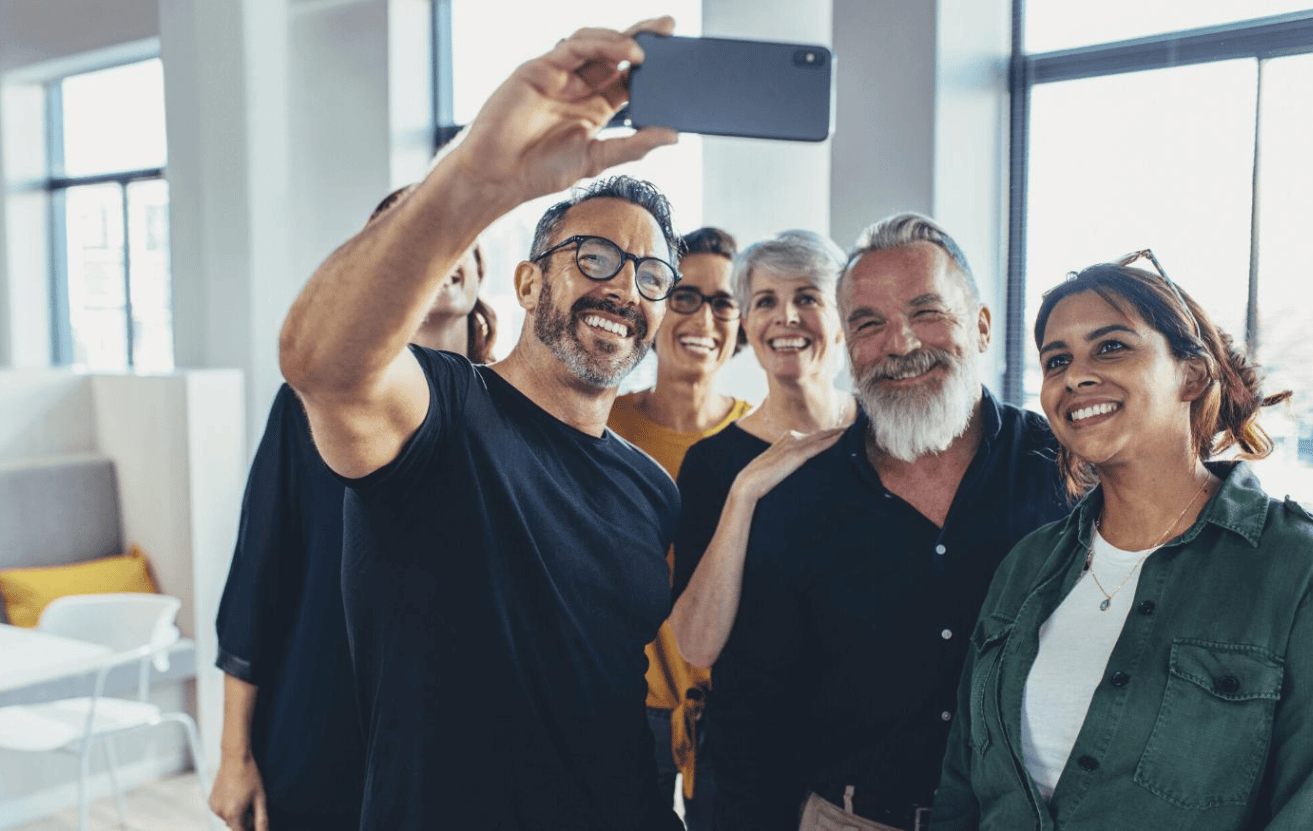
{"x":911,"y":423}
{"x":559,"y":334}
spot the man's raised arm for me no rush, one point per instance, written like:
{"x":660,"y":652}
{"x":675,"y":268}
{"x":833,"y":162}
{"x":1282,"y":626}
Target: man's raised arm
{"x":343,"y":345}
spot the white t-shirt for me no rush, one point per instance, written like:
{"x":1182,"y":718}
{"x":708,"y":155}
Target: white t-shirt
{"x":1074,"y":646}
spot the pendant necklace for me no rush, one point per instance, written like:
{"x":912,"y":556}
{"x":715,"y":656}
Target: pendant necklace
{"x":1089,"y":554}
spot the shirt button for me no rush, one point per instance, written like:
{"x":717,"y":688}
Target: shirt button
{"x":1147,"y":607}
{"x":945,"y":716}
{"x":1120,"y":679}
{"x":1228,"y":684}
{"x":939,"y":549}
{"x":946,"y":634}
{"x":1088,"y":763}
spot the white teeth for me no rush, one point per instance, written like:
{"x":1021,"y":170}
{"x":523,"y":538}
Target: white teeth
{"x":789,"y":343}
{"x":904,"y":376}
{"x":607,"y":325}
{"x":697,"y":343}
{"x":1091,"y":411}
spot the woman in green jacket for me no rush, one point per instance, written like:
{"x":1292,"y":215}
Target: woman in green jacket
{"x":1148,"y":661}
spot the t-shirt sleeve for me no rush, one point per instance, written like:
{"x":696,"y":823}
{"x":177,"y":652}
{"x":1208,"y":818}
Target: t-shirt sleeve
{"x":449,"y":377}
{"x":259,"y":597}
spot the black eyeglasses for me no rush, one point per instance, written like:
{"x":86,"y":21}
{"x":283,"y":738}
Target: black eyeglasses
{"x":1158,"y":267}
{"x":600,"y":259}
{"x":687,"y":300}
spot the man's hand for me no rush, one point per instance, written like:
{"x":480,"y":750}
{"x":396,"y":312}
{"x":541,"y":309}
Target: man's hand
{"x":238,"y":795}
{"x":537,"y":133}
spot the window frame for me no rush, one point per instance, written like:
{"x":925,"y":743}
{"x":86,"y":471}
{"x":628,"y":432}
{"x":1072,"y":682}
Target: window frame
{"x":1260,"y":39}
{"x":56,"y":186}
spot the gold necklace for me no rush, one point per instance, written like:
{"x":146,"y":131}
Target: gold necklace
{"x":1089,"y":554}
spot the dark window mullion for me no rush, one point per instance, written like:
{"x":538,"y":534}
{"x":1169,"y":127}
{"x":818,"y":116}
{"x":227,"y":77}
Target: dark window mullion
{"x":1251,"y":308}
{"x":61,"y":324}
{"x":1014,"y":356}
{"x":444,"y":106}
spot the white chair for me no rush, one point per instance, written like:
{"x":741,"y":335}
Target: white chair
{"x":139,"y":628}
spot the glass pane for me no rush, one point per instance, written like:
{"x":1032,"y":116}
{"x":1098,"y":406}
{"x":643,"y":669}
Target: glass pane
{"x":114,"y":119}
{"x":1285,"y":199}
{"x":1062,"y":24}
{"x":538,"y":26}
{"x":96,"y":299}
{"x":152,"y":298}
{"x":1160,"y":160}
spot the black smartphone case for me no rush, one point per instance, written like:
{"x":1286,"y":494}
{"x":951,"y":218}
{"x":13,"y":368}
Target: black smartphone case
{"x":725,"y":87}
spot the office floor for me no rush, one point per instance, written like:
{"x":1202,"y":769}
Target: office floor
{"x":169,"y":805}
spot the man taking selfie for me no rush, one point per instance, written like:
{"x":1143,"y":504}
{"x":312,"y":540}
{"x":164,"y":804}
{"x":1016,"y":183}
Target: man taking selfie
{"x":504,"y":554}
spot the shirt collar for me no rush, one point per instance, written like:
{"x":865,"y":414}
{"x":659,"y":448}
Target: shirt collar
{"x":1240,"y":506}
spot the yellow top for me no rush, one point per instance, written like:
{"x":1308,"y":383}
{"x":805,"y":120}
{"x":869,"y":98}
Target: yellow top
{"x":669,"y":676}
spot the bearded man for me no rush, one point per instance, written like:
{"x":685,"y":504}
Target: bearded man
{"x":867,"y":567}
{"x":504,"y":553}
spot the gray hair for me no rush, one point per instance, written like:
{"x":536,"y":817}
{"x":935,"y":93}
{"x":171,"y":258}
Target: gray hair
{"x":795,"y":253}
{"x":901,"y":230}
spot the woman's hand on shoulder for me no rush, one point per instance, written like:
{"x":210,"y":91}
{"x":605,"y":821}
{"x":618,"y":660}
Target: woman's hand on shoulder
{"x":780,"y":460}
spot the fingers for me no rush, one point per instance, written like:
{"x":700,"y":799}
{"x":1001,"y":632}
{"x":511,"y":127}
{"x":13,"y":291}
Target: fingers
{"x":664,"y":25}
{"x":261,"y":813}
{"x":594,"y":45}
{"x":605,"y":153}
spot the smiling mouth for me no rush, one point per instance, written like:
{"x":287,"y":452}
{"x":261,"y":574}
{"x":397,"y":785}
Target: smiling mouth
{"x":792,"y":344}
{"x":909,"y":374}
{"x":697,"y":344}
{"x":1092,"y":411}
{"x":599,"y":322}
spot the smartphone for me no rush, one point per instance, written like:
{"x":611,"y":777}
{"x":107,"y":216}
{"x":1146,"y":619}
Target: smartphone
{"x":725,"y":87}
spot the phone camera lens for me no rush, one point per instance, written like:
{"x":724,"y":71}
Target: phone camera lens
{"x":809,"y":57}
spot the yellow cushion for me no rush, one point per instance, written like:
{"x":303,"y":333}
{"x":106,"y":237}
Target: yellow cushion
{"x":27,"y":591}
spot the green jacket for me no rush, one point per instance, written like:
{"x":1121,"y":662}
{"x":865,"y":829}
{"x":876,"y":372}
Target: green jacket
{"x":1204,"y":719}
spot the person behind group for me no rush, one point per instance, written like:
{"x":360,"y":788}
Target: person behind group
{"x":504,"y":558}
{"x":1147,"y":662}
{"x":785,"y":286}
{"x":291,"y":755}
{"x":699,"y":335}
{"x":837,"y":687}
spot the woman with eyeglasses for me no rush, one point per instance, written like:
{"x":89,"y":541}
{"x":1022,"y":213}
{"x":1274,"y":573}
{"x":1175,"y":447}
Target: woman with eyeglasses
{"x":698,"y":336}
{"x":1148,"y":661}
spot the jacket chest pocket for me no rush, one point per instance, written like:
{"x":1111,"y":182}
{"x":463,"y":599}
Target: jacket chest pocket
{"x":1211,"y":738}
{"x":988,"y":639}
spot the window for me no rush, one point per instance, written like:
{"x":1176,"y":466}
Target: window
{"x":1191,"y":143}
{"x":466,"y":73}
{"x":112,"y":308}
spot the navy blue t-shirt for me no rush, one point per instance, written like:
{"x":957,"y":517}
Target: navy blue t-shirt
{"x":501,"y":577}
{"x":281,"y":625}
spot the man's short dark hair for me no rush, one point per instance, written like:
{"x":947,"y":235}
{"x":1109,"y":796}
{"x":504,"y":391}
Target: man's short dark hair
{"x":642,"y":193}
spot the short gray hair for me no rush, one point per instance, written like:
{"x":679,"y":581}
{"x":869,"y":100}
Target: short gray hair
{"x":900,"y":231}
{"x":796,"y":253}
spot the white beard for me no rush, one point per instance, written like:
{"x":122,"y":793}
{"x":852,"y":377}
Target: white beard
{"x":909,"y":424}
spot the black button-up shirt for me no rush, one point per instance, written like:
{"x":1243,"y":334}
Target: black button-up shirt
{"x":843,"y":663}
